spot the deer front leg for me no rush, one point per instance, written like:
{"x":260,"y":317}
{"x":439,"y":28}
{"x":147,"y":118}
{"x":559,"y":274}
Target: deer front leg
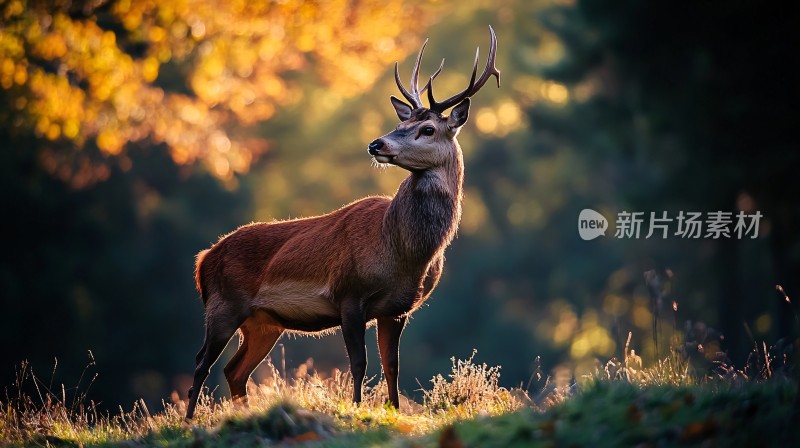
{"x":354,"y":326}
{"x":389,"y":331}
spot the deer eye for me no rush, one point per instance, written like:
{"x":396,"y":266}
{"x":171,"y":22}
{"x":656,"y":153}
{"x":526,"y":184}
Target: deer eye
{"x":428,"y":130}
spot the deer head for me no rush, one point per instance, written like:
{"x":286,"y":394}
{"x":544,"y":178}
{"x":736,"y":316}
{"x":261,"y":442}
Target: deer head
{"x":426,"y":139}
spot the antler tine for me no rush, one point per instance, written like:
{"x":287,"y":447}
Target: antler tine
{"x":430,"y":80}
{"x":403,"y":90}
{"x":455,"y":99}
{"x":474,"y":86}
{"x":414,"y":96}
{"x":415,"y":73}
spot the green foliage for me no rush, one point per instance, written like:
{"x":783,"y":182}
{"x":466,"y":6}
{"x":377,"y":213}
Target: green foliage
{"x":667,"y":116}
{"x":621,"y":414}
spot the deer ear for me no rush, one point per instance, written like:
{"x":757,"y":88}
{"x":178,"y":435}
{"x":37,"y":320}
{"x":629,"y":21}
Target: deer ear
{"x":403,"y":110}
{"x":459,"y":114}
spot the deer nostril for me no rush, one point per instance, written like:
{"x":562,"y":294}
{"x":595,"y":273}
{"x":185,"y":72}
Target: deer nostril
{"x":375,"y":146}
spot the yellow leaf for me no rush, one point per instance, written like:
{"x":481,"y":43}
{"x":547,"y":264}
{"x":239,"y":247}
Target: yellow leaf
{"x":150,"y":69}
{"x":109,"y":142}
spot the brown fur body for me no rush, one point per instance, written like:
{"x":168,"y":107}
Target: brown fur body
{"x":377,"y":259}
{"x":386,"y":255}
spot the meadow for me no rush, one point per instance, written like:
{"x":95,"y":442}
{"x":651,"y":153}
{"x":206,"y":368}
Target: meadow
{"x":622,"y":403}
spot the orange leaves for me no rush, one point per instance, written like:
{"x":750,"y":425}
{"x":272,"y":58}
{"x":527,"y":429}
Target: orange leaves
{"x":11,"y":73}
{"x":80,"y":78}
{"x":54,"y":104}
{"x":50,"y":47}
{"x":109,"y":141}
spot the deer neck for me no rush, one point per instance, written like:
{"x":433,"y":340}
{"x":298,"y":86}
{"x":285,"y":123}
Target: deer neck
{"x":424,"y":215}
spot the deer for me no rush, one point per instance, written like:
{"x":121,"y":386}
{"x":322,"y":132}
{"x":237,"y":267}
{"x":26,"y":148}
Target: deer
{"x":373,"y":261}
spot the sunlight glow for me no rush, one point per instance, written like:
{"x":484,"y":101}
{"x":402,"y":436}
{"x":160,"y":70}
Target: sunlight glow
{"x":593,"y":339}
{"x":486,"y":120}
{"x":566,"y":327}
{"x":509,"y":115}
{"x":500,"y":120}
{"x":554,"y":92}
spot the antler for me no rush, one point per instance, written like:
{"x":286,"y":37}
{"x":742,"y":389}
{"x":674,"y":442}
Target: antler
{"x":414,"y":96}
{"x":473,"y":86}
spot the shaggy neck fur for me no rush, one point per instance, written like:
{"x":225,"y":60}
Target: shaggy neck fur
{"x":424,"y":215}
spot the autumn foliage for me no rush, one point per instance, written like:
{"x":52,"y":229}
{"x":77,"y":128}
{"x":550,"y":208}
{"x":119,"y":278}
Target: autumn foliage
{"x":93,"y":78}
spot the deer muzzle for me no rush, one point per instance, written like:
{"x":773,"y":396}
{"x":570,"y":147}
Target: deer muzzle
{"x":377,"y":149}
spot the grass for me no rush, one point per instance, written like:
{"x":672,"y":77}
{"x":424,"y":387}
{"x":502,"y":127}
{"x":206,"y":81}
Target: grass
{"x":622,"y":414}
{"x":301,"y":408}
{"x":621,"y":404}
{"x":690,"y":398}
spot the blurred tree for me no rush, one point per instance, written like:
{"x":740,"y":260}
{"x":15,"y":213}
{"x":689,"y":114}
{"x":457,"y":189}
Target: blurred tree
{"x":192,"y":74}
{"x":685,"y":107}
{"x":107,"y":269}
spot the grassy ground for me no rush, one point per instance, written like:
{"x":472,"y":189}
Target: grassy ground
{"x":621,"y":405}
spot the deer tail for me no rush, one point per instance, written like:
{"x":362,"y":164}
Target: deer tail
{"x":198,"y":275}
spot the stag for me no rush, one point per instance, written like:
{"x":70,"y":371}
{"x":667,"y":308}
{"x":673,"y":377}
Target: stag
{"x":375,"y":260}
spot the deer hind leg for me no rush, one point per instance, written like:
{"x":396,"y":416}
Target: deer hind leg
{"x":389,"y":331}
{"x":221,"y":324}
{"x":256,"y":341}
